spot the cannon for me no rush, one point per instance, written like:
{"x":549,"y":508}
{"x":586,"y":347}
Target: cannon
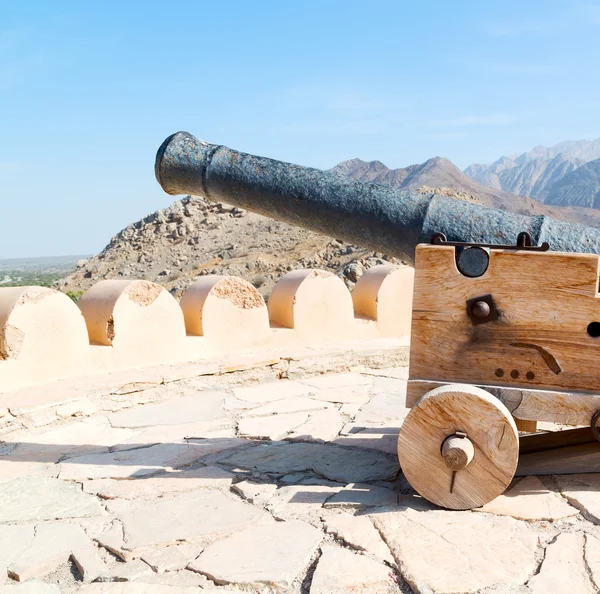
{"x":505,"y":322}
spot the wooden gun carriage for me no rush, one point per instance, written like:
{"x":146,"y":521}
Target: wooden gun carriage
{"x":502,"y":337}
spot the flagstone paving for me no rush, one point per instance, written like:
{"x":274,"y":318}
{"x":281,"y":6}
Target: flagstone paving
{"x":248,"y":483}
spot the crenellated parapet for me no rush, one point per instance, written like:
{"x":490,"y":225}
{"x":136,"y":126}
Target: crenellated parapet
{"x":121,"y":324}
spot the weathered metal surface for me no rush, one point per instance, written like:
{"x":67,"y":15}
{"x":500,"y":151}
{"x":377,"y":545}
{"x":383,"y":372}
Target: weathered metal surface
{"x":372,"y":215}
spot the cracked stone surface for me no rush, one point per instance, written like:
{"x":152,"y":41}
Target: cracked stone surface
{"x":582,"y":491}
{"x":270,"y":391}
{"x":142,"y":461}
{"x":290,"y":404}
{"x":337,"y":380}
{"x":328,"y":461}
{"x":340,"y":571}
{"x":300,"y":501}
{"x":125,"y":572}
{"x":256,"y":555}
{"x":181,"y":516}
{"x":363,"y":495}
{"x":273,"y":427}
{"x":51,"y":546}
{"x":530,"y":500}
{"x":592,"y":557}
{"x":563,"y":569}
{"x":171,"y":558}
{"x":150,"y":480}
{"x":469,"y":551}
{"x":256,"y":493}
{"x":321,"y":426}
{"x":205,"y":477}
{"x":358,"y":532}
{"x":14,"y":540}
{"x":40,"y":498}
{"x":205,"y":406}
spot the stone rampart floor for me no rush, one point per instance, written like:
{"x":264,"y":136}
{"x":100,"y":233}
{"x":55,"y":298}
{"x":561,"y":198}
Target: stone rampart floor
{"x":244,"y":482}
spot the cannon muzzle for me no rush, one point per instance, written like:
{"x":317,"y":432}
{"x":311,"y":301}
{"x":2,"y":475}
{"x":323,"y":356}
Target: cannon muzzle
{"x":371,"y":215}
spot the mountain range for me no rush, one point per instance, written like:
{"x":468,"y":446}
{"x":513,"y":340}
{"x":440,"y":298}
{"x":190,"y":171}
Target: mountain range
{"x":445,"y":177}
{"x":566,"y":174}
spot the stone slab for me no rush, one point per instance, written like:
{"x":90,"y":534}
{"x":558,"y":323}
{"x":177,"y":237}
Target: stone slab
{"x":182,"y":517}
{"x":371,"y":436}
{"x":202,"y":406}
{"x":173,"y":558}
{"x":530,"y":500}
{"x":357,"y":495}
{"x":273,"y":555}
{"x":358,"y":532}
{"x":332,"y":462}
{"x":256,"y":493}
{"x":290,"y":404}
{"x":205,"y":477}
{"x":14,"y":540}
{"x":583,"y":492}
{"x":563,"y":568}
{"x":40,"y":498}
{"x":592,"y":556}
{"x":269,"y":391}
{"x":52,"y":545}
{"x":468,"y":551}
{"x":176,"y":433}
{"x":183,"y":578}
{"x":125,"y":572}
{"x":348,"y":395}
{"x":340,"y":571}
{"x":383,"y":407}
{"x":322,"y":426}
{"x":73,"y":439}
{"x":274,"y":427}
{"x":303,"y":502}
{"x":337,"y":380}
{"x":143,"y":461}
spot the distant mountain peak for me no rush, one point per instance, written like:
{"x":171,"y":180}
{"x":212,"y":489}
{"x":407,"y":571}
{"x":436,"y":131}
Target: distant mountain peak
{"x":534,"y":173}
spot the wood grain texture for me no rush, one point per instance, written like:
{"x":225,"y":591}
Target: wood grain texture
{"x":545,"y":301}
{"x":570,"y":460}
{"x":565,"y":408}
{"x":489,"y":427}
{"x":540,"y":442}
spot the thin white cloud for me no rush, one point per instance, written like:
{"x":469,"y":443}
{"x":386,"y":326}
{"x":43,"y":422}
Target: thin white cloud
{"x":494,"y":119}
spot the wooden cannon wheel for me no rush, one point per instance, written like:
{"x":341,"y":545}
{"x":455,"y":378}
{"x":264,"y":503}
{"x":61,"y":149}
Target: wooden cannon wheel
{"x":459,"y":447}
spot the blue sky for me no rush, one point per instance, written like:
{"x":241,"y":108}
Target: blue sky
{"x":89,"y":90}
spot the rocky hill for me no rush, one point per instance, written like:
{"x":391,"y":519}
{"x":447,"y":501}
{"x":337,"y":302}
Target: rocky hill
{"x":194,"y":237}
{"x":536,"y":172}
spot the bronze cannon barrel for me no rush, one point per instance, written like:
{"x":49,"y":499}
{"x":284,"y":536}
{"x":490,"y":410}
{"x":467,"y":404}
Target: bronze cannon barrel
{"x":368,"y":214}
